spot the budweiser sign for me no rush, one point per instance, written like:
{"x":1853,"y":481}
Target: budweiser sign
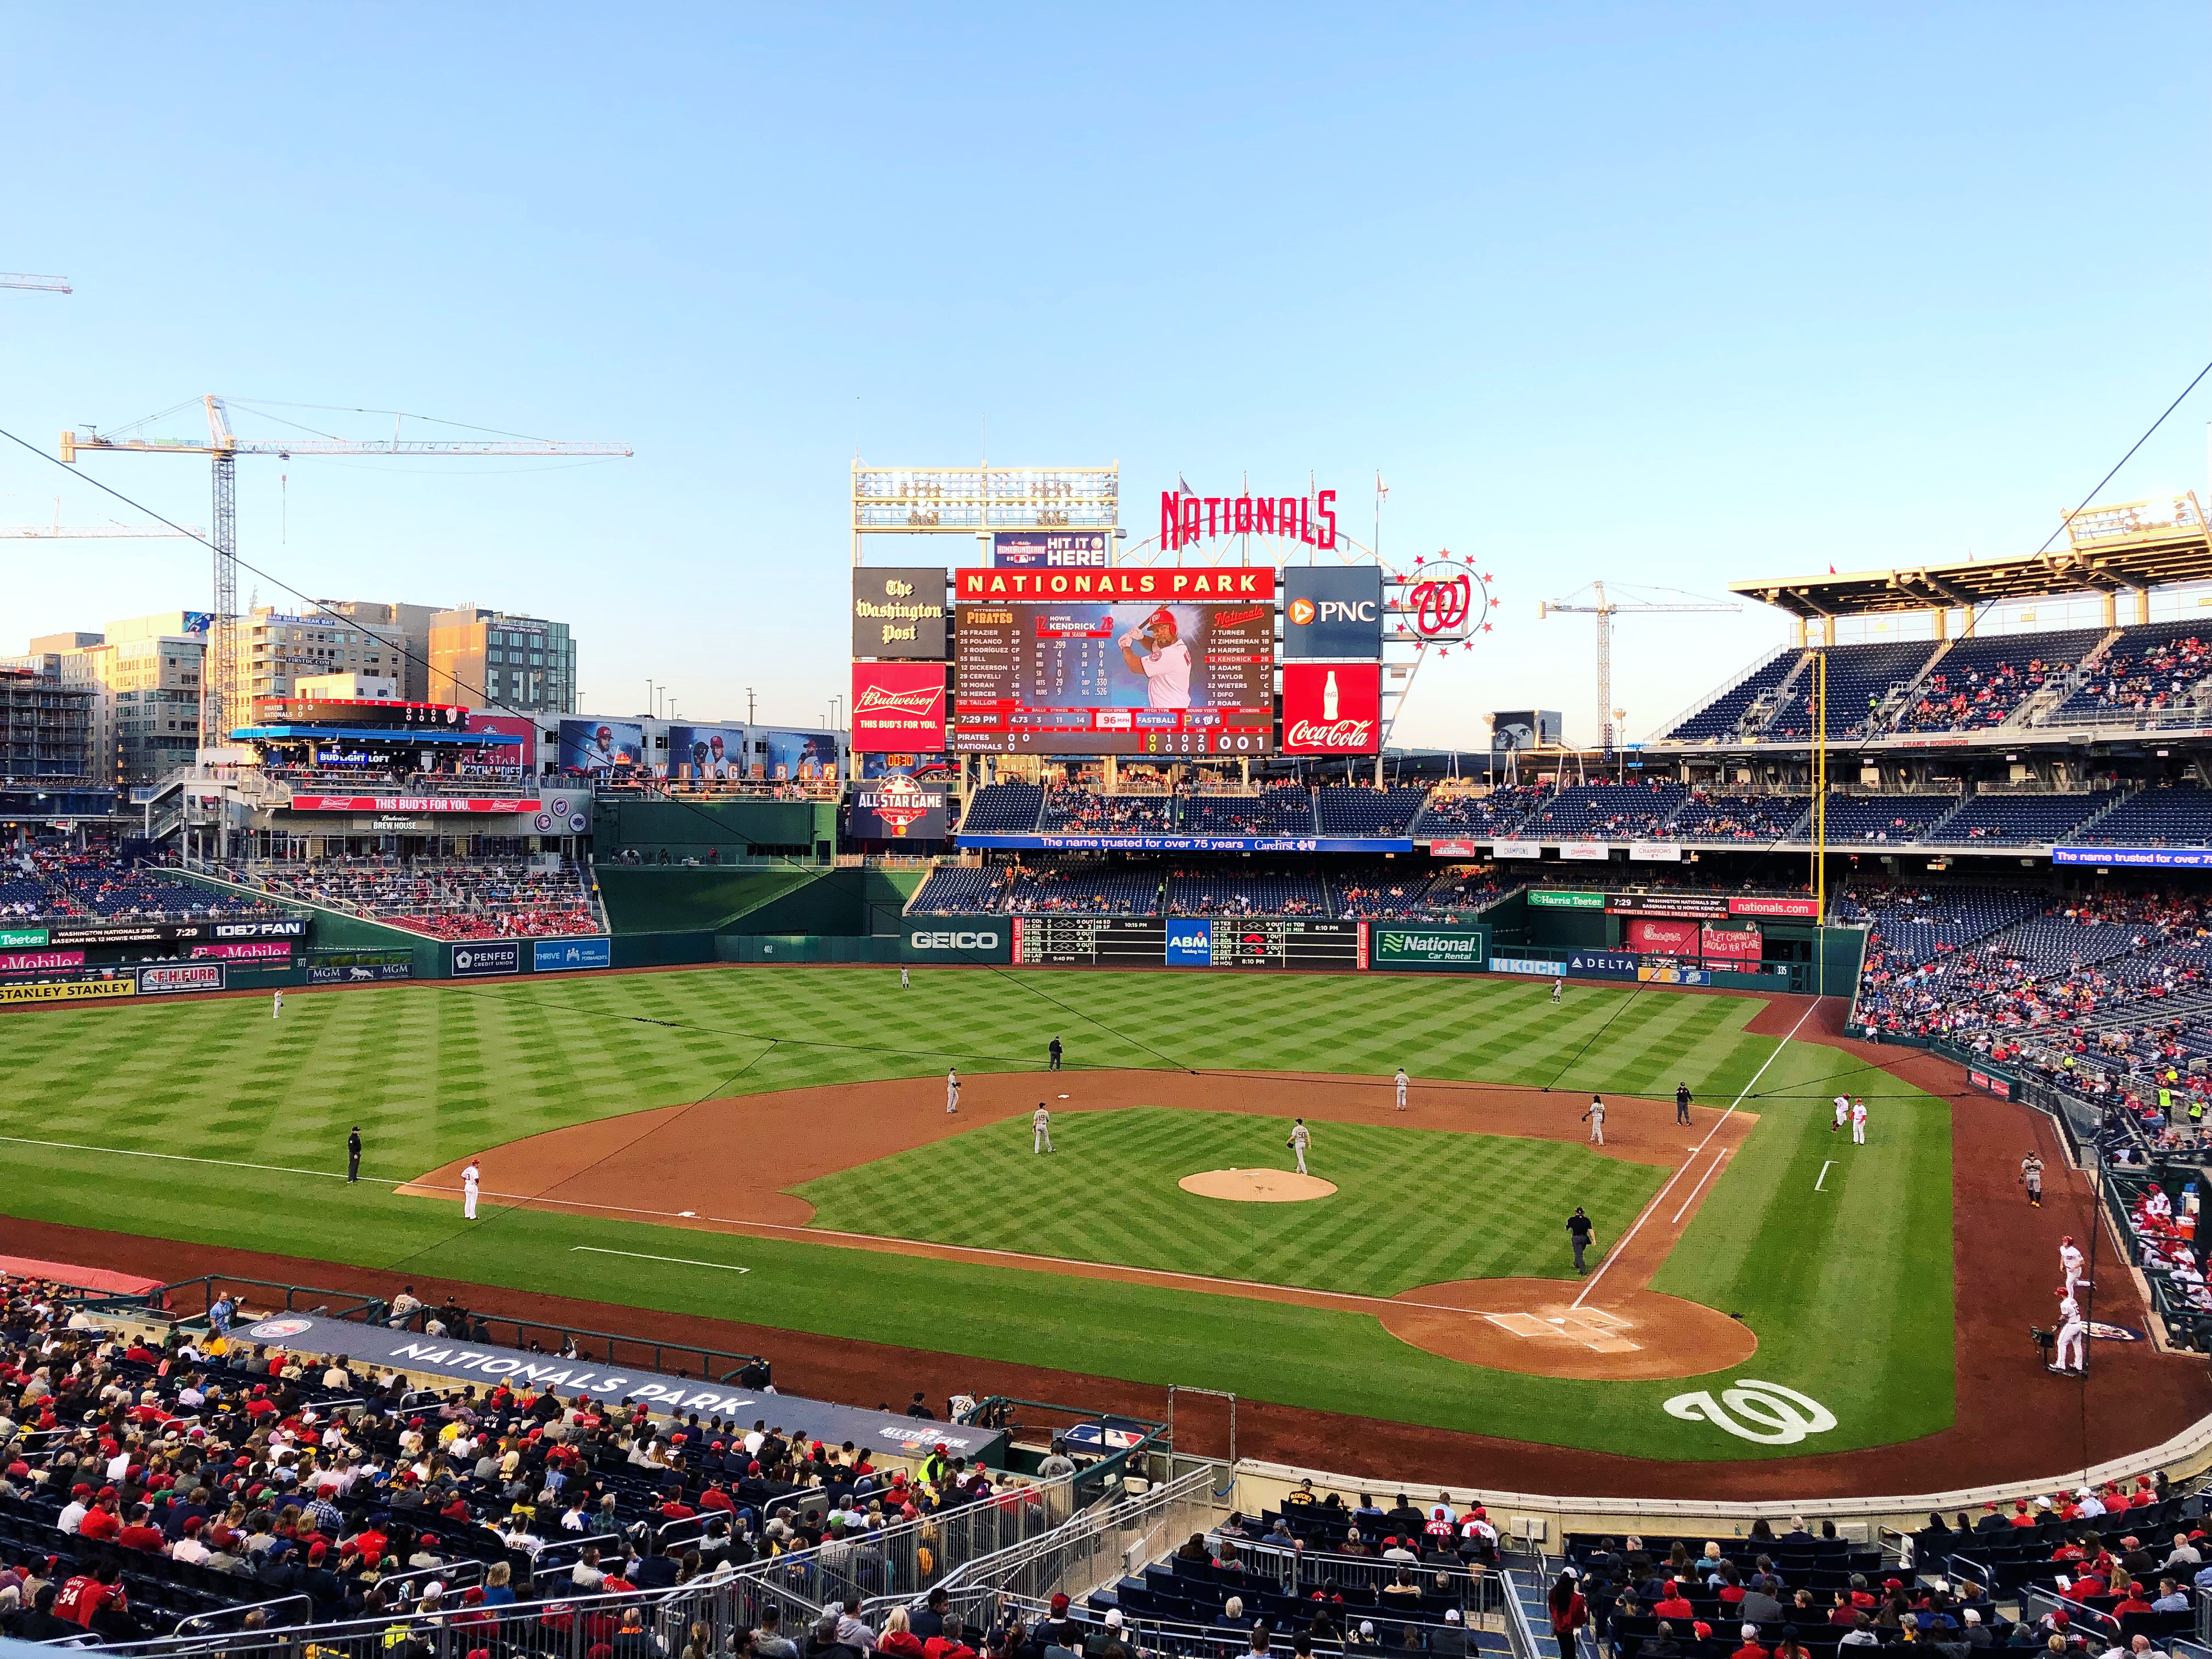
{"x":898,"y":706}
{"x":1332,"y":709}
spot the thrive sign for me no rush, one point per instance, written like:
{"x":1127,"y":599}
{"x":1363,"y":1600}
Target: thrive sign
{"x":1463,"y":948}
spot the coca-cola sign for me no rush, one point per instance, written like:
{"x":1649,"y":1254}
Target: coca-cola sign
{"x":898,"y":706}
{"x":1332,"y":709}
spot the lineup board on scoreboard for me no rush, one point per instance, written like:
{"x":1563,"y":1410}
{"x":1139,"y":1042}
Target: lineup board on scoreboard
{"x":1116,"y":662}
{"x":1284,"y":942}
{"x":1091,"y":941}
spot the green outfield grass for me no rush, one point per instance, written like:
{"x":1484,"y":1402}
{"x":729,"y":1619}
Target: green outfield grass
{"x":1412,"y":1207}
{"x":434,"y":1072}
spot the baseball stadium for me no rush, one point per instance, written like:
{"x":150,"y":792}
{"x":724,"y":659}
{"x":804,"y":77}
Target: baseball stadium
{"x":1104,"y":1138}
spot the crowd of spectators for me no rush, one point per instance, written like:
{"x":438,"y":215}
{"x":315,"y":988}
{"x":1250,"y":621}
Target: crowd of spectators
{"x":447,"y":898}
{"x":1089,"y":885}
{"x":1084,"y":813}
{"x":145,"y":1480}
{"x":2147,"y":677}
{"x":55,"y":881}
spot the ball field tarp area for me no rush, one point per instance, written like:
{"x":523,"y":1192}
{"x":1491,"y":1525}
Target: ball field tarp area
{"x":1788,"y":1312}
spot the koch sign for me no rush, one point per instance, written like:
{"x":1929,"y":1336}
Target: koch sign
{"x":1333,"y":613}
{"x":484,"y":1367}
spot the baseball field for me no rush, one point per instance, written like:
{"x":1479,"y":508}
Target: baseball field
{"x":644,"y":1135}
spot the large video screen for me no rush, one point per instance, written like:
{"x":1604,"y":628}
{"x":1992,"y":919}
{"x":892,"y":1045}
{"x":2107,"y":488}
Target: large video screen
{"x":1121,"y":662}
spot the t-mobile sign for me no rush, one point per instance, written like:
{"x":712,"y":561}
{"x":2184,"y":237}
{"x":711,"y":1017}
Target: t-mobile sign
{"x":1332,"y":709}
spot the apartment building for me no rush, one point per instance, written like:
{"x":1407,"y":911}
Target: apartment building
{"x":489,"y":659}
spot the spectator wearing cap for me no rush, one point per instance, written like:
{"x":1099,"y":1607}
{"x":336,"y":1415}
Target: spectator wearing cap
{"x":1671,"y":1603}
{"x":73,"y":1513}
{"x":102,"y":1522}
{"x":1448,"y":1639}
{"x":1750,"y":1647}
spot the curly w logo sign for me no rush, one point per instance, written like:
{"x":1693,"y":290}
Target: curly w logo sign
{"x":1771,"y":1414}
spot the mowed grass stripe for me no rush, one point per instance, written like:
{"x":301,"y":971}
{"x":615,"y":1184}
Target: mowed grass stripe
{"x":1413,"y":1206}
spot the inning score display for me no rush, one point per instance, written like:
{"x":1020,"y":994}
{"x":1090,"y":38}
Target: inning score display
{"x":1120,"y":662}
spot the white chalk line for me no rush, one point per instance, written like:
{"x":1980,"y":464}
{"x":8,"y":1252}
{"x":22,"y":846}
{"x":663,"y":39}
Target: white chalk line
{"x":1615,"y":1254}
{"x":680,"y":1260}
{"x":1711,"y":1169}
{"x":1825,"y":1168}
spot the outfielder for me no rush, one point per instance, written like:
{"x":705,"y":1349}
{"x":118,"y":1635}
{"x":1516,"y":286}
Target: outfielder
{"x":1843,"y":1111}
{"x":1301,"y":1138}
{"x":1595,"y":1118}
{"x":952,"y":1090}
{"x":2070,"y":1263}
{"x":1400,"y":1081}
{"x":276,"y":1007}
{"x":906,"y":982}
{"x":1041,"y":1129}
{"x":470,"y":1178}
{"x":2072,"y":1331}
{"x":1558,"y":984}
{"x":2031,"y":1177}
{"x":1858,"y":1122}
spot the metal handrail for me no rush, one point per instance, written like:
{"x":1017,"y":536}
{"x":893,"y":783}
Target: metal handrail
{"x":240,"y":1612}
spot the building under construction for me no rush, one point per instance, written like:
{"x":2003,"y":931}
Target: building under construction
{"x":44,"y":725}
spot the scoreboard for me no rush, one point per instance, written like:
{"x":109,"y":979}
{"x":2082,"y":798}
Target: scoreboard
{"x":1152,"y":663}
{"x":1068,"y":941}
{"x":1091,"y":941}
{"x":1284,"y":942}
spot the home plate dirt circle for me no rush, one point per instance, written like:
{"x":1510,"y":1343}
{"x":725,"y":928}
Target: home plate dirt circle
{"x":1532,"y":1326}
{"x":1257,"y":1186}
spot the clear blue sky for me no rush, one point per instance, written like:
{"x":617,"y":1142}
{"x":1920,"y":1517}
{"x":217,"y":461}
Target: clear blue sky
{"x":1669,"y":296}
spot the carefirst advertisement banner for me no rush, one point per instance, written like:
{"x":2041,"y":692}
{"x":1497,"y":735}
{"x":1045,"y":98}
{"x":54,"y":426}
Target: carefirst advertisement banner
{"x":1463,"y":948}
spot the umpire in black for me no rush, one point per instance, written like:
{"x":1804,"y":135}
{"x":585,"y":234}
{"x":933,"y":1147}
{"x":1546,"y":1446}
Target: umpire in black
{"x":1681,"y":1102}
{"x":353,"y":1155}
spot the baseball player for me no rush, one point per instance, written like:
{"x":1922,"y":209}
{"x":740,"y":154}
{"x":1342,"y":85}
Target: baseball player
{"x":1595,"y":1118}
{"x":1858,"y":1122}
{"x":2070,"y":1263}
{"x":1301,"y":1138}
{"x":1165,"y":663}
{"x":2031,"y":1177}
{"x":1400,"y":1081}
{"x":1681,"y":1102}
{"x":952,"y":1092}
{"x":276,"y":1007}
{"x":906,"y":980}
{"x":1843,"y":1111}
{"x":1558,"y":984}
{"x":2072,"y":1331}
{"x":1041,"y":1129}
{"x":470,"y":1178}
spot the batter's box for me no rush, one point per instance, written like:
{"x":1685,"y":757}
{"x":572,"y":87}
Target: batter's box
{"x":1522,"y":1324}
{"x":1591,"y":1327}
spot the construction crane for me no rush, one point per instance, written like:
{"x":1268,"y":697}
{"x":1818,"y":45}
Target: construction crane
{"x":44,"y":284}
{"x":1605,"y":610}
{"x":220,"y":695}
{"x":103,"y":532}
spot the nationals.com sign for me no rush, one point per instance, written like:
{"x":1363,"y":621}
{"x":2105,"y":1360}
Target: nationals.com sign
{"x":1332,"y":709}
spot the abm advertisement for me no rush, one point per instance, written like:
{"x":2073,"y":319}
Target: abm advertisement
{"x":1332,"y":709}
{"x":706,"y":752}
{"x":1333,"y":612}
{"x":898,"y":706}
{"x":899,"y":614}
{"x":601,"y":745}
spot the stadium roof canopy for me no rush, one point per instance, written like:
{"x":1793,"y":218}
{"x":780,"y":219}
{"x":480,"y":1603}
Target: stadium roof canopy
{"x":2125,"y":545}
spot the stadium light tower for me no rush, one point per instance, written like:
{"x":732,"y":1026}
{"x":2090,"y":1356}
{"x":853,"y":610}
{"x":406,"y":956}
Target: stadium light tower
{"x":1605,"y":610}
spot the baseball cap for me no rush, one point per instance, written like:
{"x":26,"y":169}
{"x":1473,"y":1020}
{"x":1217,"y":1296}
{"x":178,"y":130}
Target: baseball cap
{"x":1059,"y":1606}
{"x":1113,"y":1617}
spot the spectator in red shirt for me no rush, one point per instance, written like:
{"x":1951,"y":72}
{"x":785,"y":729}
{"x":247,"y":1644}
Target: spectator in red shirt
{"x":102,"y":1522}
{"x":86,"y":1594}
{"x":1751,"y":1648}
{"x":142,"y":1534}
{"x":1671,"y":1603}
{"x":2020,"y":1518}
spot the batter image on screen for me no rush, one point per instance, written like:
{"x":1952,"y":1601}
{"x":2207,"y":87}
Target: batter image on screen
{"x":1164,"y":662}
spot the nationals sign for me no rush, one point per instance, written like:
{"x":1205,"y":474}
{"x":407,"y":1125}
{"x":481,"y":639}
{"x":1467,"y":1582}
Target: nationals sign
{"x":1445,"y":600}
{"x":1332,"y":709}
{"x":898,"y":705}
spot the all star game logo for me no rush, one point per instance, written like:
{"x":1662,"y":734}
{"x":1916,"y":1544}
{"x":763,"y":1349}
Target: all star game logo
{"x":901,"y":803}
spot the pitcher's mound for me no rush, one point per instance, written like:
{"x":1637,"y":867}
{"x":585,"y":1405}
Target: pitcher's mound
{"x":1257,"y":1186}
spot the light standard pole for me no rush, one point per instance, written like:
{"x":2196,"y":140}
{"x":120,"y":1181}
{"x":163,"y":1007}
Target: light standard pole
{"x":648,"y":699}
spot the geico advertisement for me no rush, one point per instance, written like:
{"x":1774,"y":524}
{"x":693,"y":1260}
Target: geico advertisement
{"x":956,"y":940}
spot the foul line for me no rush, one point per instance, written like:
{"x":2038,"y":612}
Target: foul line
{"x":1711,"y":1168}
{"x":1619,"y":1249}
{"x":1825,"y":1168}
{"x":680,"y":1260}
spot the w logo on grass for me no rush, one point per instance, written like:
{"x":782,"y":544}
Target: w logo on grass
{"x":1776,"y":1416}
